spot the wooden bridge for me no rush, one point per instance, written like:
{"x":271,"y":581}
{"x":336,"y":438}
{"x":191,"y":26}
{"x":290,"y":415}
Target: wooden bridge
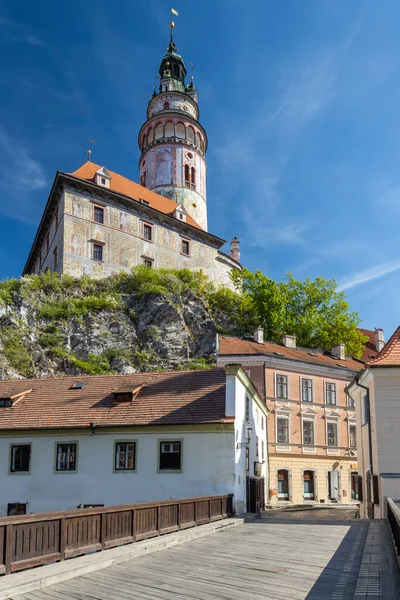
{"x":275,"y":557}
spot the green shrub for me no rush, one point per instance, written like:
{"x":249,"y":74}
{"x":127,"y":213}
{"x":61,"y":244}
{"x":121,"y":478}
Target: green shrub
{"x":7,"y":287}
{"x":196,"y":364}
{"x":15,"y":350}
{"x":93,"y":364}
{"x":71,"y":307}
{"x":115,"y":353}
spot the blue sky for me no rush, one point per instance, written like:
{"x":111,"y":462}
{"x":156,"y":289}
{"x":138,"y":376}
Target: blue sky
{"x":300,"y":100}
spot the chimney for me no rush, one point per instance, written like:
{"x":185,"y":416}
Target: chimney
{"x":379,"y":339}
{"x":339,"y":351}
{"x":289,"y":341}
{"x":235,"y":249}
{"x":259,"y":335}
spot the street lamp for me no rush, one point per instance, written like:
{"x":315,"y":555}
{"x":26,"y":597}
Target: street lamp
{"x":249,"y":431}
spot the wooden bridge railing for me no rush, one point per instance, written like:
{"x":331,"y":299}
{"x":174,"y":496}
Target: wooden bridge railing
{"x":28,"y":541}
{"x":393,"y":516}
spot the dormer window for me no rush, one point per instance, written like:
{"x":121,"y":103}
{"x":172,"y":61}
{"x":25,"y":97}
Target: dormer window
{"x":180,"y":213}
{"x":103,"y":177}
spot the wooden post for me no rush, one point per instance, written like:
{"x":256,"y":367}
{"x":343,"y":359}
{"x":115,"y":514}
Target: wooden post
{"x":195,"y":512}
{"x":103,"y":521}
{"x":134,"y":525}
{"x":158,"y":518}
{"x":209,"y":509}
{"x":63,"y":537}
{"x":9,"y":545}
{"x":178,"y":515}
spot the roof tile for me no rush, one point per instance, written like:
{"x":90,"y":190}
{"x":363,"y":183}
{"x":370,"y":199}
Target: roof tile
{"x":389,"y":356}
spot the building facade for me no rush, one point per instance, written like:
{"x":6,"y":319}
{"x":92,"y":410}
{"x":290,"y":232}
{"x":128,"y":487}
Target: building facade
{"x":376,"y":394}
{"x":122,"y":439}
{"x":97,"y":222}
{"x":312,"y":439}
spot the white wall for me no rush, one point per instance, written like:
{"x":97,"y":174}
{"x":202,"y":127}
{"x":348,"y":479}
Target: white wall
{"x":208,"y":468}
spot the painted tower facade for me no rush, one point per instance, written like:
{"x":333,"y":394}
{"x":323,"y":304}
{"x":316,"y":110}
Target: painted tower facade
{"x":172,"y":141}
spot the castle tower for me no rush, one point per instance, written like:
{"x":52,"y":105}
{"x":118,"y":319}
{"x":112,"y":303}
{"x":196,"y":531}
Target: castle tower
{"x":172,"y":141}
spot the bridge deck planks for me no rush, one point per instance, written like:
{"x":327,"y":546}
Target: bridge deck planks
{"x":258,"y":560}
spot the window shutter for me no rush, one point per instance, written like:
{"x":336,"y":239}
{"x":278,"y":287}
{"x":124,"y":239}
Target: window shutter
{"x":360,"y":488}
{"x":375,"y":486}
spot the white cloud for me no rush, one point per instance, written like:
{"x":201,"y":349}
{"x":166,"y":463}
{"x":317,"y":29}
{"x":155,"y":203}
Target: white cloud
{"x":20,"y":175}
{"x":368,"y":275}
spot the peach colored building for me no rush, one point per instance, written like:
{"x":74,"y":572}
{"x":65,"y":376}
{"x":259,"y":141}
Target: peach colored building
{"x":376,"y":392}
{"x":311,"y":433}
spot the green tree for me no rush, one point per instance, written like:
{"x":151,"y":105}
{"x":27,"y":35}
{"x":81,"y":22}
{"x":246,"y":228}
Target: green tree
{"x":312,"y":310}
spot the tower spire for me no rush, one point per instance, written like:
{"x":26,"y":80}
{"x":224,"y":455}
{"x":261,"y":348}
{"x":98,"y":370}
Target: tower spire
{"x":172,"y":46}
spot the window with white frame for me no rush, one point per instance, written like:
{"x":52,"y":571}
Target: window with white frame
{"x":170,"y":456}
{"x":306,"y":390}
{"x":330,"y":392}
{"x":125,"y":456}
{"x":282,"y":430}
{"x":352,"y":436}
{"x":281,"y":384}
{"x":308,"y":432}
{"x":350,"y":402}
{"x":332,"y":433}
{"x":66,"y":457}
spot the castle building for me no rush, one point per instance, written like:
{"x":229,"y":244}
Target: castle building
{"x":97,"y":222}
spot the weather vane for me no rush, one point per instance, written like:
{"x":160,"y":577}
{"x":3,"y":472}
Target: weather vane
{"x":89,"y":152}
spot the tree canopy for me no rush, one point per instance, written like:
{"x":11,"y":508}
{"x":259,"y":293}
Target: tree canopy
{"x":312,"y":310}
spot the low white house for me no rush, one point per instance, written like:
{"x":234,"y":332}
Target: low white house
{"x":376,"y":392}
{"x":119,"y":439}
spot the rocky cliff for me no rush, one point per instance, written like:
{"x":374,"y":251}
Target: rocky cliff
{"x":145,"y":320}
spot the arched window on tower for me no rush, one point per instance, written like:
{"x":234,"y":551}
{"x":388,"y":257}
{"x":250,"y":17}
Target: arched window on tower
{"x":187,"y":176}
{"x":180,"y":131}
{"x":166,"y":105}
{"x":150,"y":137}
{"x":144,"y":140}
{"x":159,"y":131}
{"x":176,"y":71}
{"x":143,"y":177}
{"x":169,"y":130}
{"x":190,"y":134}
{"x":193,"y":178}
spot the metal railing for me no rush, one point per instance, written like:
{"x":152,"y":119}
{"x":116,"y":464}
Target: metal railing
{"x":28,"y":541}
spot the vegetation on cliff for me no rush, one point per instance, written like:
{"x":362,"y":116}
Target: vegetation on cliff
{"x":152,"y":319}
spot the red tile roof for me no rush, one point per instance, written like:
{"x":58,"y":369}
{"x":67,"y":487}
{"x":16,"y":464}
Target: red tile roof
{"x":170,"y":398}
{"x":389,"y":356}
{"x":129,"y":188}
{"x":369,"y":350}
{"x":230,"y":346}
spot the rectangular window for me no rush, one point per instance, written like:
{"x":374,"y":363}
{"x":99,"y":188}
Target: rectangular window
{"x":330,"y":392}
{"x":353,"y":436}
{"x":350,"y":402}
{"x":125,"y":456}
{"x":147,"y":232}
{"x":247,"y":458}
{"x":185,"y":247}
{"x":20,"y":458}
{"x":365,"y":409}
{"x":97,"y":252}
{"x":262,"y":450}
{"x":256,"y":447}
{"x":282,"y":425}
{"x":332,"y":434}
{"x":306,"y":390}
{"x":66,"y":457}
{"x":170,"y":456}
{"x":147,"y":262}
{"x":55,"y":258}
{"x":308,"y":433}
{"x":281,"y":386}
{"x":16,"y":508}
{"x":98,"y":214}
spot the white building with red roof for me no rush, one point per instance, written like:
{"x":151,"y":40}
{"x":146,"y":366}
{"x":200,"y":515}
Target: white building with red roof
{"x":97,"y":222}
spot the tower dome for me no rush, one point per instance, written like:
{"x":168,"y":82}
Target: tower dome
{"x":172,"y":141}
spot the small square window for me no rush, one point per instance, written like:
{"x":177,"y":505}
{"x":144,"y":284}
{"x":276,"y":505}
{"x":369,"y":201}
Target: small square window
{"x":66,"y":457}
{"x":185,"y":247}
{"x":103,"y":181}
{"x":98,"y":214}
{"x":147,"y":262}
{"x":125,"y":456}
{"x":16,"y":508}
{"x":170,"y":456}
{"x":20,"y":458}
{"x":97,"y":252}
{"x":147,"y":232}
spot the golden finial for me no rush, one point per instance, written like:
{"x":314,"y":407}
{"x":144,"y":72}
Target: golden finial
{"x":89,"y":152}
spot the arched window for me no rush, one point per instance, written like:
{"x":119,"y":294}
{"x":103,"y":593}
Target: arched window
{"x":166,"y":105}
{"x":180,"y":131}
{"x":176,"y":71}
{"x":143,"y":178}
{"x":193,"y":178}
{"x":150,"y":137}
{"x":169,"y":130}
{"x":283,"y":485}
{"x":187,"y":176}
{"x":201,"y":144}
{"x":143,"y":140}
{"x":159,"y":131}
{"x":190,"y":134}
{"x":308,"y":485}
